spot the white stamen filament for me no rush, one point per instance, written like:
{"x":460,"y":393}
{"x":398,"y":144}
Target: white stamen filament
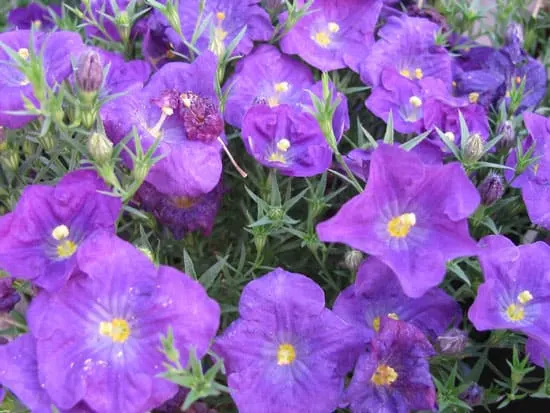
{"x":233,"y":161}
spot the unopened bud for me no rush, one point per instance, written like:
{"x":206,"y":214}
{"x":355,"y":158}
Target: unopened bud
{"x":353,"y":259}
{"x":473,"y":395}
{"x":453,"y":341}
{"x":491,"y":189}
{"x":89,"y":73}
{"x":474,"y":148}
{"x":506,"y":129}
{"x":10,"y":158}
{"x":3,"y":139}
{"x":8,"y":295}
{"x":99,"y":147}
{"x":29,"y":147}
{"x":47,"y":142}
{"x":514,"y":34}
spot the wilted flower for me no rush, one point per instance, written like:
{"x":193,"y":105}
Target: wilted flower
{"x":201,"y":117}
{"x":412,"y":216}
{"x":98,"y":338}
{"x":377,"y":294}
{"x":517,"y":281}
{"x":89,"y":72}
{"x":287,"y":350}
{"x":40,"y":239}
{"x":453,"y":341}
{"x":8,"y":295}
{"x":491,"y":189}
{"x":333,"y":33}
{"x":394,"y":376}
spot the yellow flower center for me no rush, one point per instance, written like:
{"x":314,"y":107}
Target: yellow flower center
{"x":405,"y":72}
{"x":333,"y":27}
{"x":376,"y":321}
{"x":283,"y":145}
{"x":117,"y":329}
{"x":384,"y":375}
{"x":281,"y":87}
{"x":525,"y":296}
{"x":286,"y":354}
{"x":515,"y":312}
{"x":277,"y":157}
{"x":473,"y":97}
{"x":322,"y":39}
{"x":183,"y":202}
{"x":23,"y":53}
{"x":273,"y":101}
{"x":220,"y":16}
{"x":400,"y":226}
{"x":418,"y":73}
{"x":60,"y":232}
{"x":415,"y":101}
{"x":66,"y":248}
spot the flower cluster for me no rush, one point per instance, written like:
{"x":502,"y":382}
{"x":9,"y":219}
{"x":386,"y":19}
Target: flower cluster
{"x":396,"y":206}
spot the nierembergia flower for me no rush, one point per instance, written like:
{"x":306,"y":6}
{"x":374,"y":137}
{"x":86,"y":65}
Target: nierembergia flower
{"x":412,"y":216}
{"x":266,"y":76}
{"x":538,"y":351}
{"x":182,"y":214}
{"x":179,"y":107}
{"x":287,"y":350}
{"x":8,"y":295}
{"x":407,"y":45}
{"x":98,"y":338}
{"x":377,"y":294}
{"x":102,"y":11}
{"x":34,"y":14}
{"x":394,"y":376}
{"x":40,"y":238}
{"x":19,"y":373}
{"x":514,"y":294}
{"x":56,"y":50}
{"x":534,"y":180}
{"x":123,"y":76}
{"x":227,"y":19}
{"x":287,"y":139}
{"x":334,"y":32}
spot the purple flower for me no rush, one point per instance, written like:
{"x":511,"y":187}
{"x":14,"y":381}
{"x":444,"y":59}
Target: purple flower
{"x":98,"y":338}
{"x":182,"y":214}
{"x":157,"y":47}
{"x":395,"y":375}
{"x":123,"y":76}
{"x":265,"y":76}
{"x":8,"y":295}
{"x":287,"y":350}
{"x":517,"y":284}
{"x":56,"y":49}
{"x":102,"y":8}
{"x":534,"y":181}
{"x":284,"y":138}
{"x":335,"y":34}
{"x":226,"y":20}
{"x":377,"y":294}
{"x":40,"y":238}
{"x":36,"y":14}
{"x":411,"y":216}
{"x":166,"y":109}
{"x":538,"y":351}
{"x":19,"y":373}
{"x":407,"y":45}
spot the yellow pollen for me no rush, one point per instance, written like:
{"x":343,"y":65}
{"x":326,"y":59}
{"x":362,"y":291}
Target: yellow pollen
{"x":322,"y":39}
{"x":515,"y":312}
{"x":393,"y":316}
{"x":507,"y":94}
{"x":23,"y":53}
{"x":400,"y":226}
{"x":415,"y":101}
{"x":525,"y":296}
{"x":60,"y":232}
{"x":283,"y":145}
{"x":405,"y":72}
{"x":183,"y":202}
{"x":281,"y":87}
{"x":418,"y":73}
{"x":376,"y":324}
{"x":536,"y":168}
{"x":273,"y":101}
{"x":37,"y":23}
{"x":518,"y":80}
{"x":186,"y":100}
{"x":118,"y":330}
{"x":277,"y":157}
{"x":65,"y":249}
{"x":286,"y":354}
{"x":473,"y":97}
{"x":384,"y":375}
{"x":333,"y":27}
{"x":450,"y":135}
{"x":167,"y":110}
{"x":220,"y":15}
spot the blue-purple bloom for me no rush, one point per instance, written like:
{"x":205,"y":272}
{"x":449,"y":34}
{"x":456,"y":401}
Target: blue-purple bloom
{"x":394,"y":376}
{"x":34,"y":14}
{"x":377,"y":294}
{"x":122,"y":75}
{"x":266,"y":76}
{"x":412,"y":216}
{"x":98,"y":338}
{"x":40,"y":239}
{"x":179,"y":107}
{"x":538,"y":351}
{"x":334,"y":34}
{"x":9,"y":296}
{"x":517,"y":284}
{"x":100,"y":9}
{"x":55,"y":49}
{"x":287,"y":350}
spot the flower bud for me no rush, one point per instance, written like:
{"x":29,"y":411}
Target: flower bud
{"x":491,"y":189}
{"x":473,"y":395}
{"x":8,"y":295}
{"x":514,"y":34}
{"x":453,"y":341}
{"x":506,"y":129}
{"x":473,"y":148}
{"x":89,"y":73}
{"x":29,"y":147}
{"x":3,"y":139}
{"x":47,"y":142}
{"x":99,"y":147}
{"x":10,"y":159}
{"x":353,"y":259}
